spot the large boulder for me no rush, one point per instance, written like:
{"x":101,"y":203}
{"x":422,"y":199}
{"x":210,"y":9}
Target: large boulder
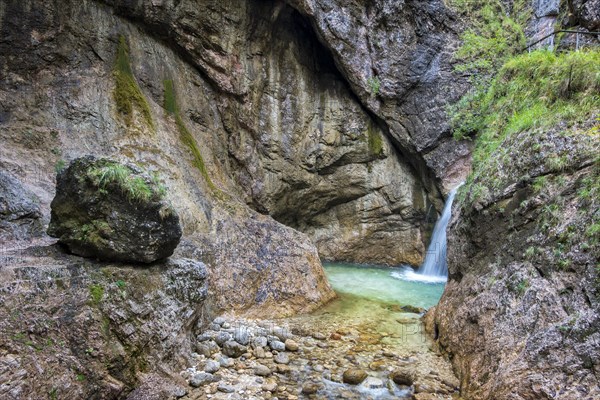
{"x":115,"y":212}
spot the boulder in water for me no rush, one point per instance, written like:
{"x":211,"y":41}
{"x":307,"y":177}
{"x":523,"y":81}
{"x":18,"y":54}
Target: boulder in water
{"x":113,"y":212}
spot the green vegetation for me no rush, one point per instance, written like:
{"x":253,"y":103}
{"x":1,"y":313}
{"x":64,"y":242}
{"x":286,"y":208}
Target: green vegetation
{"x":532,"y":90}
{"x":121,"y":284}
{"x":127,"y":93}
{"x":374,"y":84}
{"x":522,"y":287}
{"x":375,"y":140}
{"x":531,"y":94}
{"x":96,"y":294}
{"x":59,"y":166}
{"x":496,"y":33}
{"x":133,"y":186}
{"x":170,"y":105}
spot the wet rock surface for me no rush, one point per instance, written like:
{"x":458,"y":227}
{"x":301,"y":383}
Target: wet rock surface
{"x":113,"y":212}
{"x":58,"y":103}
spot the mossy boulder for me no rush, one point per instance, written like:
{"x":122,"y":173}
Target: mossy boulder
{"x":113,"y":212}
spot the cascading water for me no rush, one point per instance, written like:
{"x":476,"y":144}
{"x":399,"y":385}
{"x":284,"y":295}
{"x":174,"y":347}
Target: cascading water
{"x":434,"y":268}
{"x":435,"y":259}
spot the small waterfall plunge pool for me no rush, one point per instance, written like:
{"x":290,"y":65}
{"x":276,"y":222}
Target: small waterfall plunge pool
{"x":384,"y":284}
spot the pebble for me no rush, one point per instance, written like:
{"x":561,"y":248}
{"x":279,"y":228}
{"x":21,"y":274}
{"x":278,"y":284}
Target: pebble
{"x":259,"y":352}
{"x":354,"y":376}
{"x":219,"y":321}
{"x":260,"y":341}
{"x":291,"y":345}
{"x":207,"y":348}
{"x":242,"y":336}
{"x":277,"y":345}
{"x":225,"y":388}
{"x":282,"y":358}
{"x":205,"y":336}
{"x":262,"y":370}
{"x":214,"y":327}
{"x":269,"y":386}
{"x":201,"y":379}
{"x":402,"y":377}
{"x":310,"y":388}
{"x":335,"y":336}
{"x":233,"y":349}
{"x":226,"y":362}
{"x":319,"y":336}
{"x":373,"y":383}
{"x":222,"y":337}
{"x":282,"y":368}
{"x":212,"y":366}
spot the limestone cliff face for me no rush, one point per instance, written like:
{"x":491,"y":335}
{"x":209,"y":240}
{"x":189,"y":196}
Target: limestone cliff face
{"x":286,"y":120}
{"x":60,"y":101}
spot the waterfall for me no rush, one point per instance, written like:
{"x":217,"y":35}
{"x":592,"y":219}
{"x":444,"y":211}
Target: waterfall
{"x":435,"y":259}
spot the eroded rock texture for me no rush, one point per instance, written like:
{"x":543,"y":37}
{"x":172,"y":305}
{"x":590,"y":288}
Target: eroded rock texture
{"x":75,"y":329}
{"x":520,"y":316}
{"x":276,"y":97}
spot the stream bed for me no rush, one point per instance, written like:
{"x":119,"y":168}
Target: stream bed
{"x":365,"y":330}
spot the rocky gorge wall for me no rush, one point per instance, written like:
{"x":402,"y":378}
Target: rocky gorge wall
{"x":247,"y":114}
{"x":253,"y":81}
{"x":520,"y":314}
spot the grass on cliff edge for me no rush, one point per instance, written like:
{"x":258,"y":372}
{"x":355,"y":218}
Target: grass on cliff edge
{"x":532,"y":92}
{"x":536,"y":89}
{"x":495,"y":33}
{"x":127,"y":93}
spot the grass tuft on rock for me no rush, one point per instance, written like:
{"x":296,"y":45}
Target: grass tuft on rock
{"x":127,"y":93}
{"x":134,"y":187}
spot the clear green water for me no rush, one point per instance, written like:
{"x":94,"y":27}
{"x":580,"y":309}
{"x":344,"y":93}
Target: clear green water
{"x":381,"y":284}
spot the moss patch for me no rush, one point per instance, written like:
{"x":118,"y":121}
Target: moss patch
{"x":170,"y":105}
{"x":96,"y":294}
{"x":127,"y":93}
{"x":375,"y":140}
